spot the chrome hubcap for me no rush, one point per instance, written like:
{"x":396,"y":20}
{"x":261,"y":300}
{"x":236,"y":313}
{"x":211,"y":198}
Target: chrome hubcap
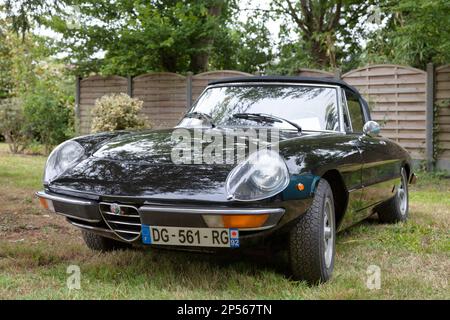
{"x":328,"y":236}
{"x":402,"y":195}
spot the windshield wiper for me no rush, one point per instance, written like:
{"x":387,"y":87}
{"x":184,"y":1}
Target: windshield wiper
{"x":263,"y":117}
{"x":201,"y":116}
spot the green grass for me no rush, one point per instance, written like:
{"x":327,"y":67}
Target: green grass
{"x":20,"y":171}
{"x":37,"y":247}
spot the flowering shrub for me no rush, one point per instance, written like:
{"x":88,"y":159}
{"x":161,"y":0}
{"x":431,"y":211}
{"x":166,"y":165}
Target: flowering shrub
{"x":117,"y":112}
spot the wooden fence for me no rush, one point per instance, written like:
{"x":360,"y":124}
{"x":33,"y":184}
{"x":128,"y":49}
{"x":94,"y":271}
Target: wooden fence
{"x":166,"y":96}
{"x":442,"y":117}
{"x":397,"y":96}
{"x":412,"y":105}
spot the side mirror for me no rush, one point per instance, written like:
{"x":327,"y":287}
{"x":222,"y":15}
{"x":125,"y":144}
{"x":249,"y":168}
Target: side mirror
{"x":372,"y":129}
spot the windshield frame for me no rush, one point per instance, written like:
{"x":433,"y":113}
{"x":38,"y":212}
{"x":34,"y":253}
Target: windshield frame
{"x":337,"y":88}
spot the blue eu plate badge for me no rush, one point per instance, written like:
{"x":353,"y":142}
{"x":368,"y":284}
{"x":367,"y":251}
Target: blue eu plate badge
{"x":234,"y":238}
{"x":146,"y":238}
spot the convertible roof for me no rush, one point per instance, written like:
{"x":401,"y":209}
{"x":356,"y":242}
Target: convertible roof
{"x":256,"y":79}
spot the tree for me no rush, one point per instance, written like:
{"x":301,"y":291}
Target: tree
{"x":141,"y":36}
{"x":416,"y":32}
{"x":6,"y":83}
{"x":325,"y":28}
{"x":39,"y":99}
{"x":11,"y":124}
{"x":248,"y":47}
{"x":23,"y":14}
{"x":24,"y":62}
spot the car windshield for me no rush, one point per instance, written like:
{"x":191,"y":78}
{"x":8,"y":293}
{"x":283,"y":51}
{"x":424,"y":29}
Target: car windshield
{"x":310,"y":107}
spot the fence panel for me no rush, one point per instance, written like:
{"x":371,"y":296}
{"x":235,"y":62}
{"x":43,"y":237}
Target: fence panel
{"x":201,"y":80}
{"x":442,"y":115}
{"x":303,"y":72}
{"x":397,"y":97}
{"x":164,"y":96}
{"x":93,"y":88}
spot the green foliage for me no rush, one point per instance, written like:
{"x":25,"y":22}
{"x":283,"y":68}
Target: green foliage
{"x":48,"y":117}
{"x":26,"y":62}
{"x":24,"y":14}
{"x":248,"y":47}
{"x":117,"y":112}
{"x":11,"y":124}
{"x":292,"y":57}
{"x":134,"y":37}
{"x":41,"y":84}
{"x":142,"y":36}
{"x":6,"y":83}
{"x":318,"y":33}
{"x":417,"y":32}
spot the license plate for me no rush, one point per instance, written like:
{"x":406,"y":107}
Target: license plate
{"x":201,"y":237}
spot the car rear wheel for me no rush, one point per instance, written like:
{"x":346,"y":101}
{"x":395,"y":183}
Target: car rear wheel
{"x":100,"y":243}
{"x":312,"y":239}
{"x":396,"y":209}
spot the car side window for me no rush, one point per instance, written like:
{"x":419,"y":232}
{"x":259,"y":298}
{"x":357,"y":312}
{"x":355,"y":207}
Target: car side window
{"x":355,"y":111}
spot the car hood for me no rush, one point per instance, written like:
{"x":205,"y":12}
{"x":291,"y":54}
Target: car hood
{"x":140,"y":165}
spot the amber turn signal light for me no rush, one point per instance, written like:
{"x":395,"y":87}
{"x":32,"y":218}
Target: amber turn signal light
{"x":43,"y":203}
{"x":47,"y":204}
{"x":244,"y":220}
{"x":300,"y":187}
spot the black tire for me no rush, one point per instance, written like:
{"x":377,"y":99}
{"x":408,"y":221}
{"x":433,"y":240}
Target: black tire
{"x":309,"y":258}
{"x":103,"y":244}
{"x":396,"y":209}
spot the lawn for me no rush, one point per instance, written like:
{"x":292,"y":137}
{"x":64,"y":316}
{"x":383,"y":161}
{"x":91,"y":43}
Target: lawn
{"x":37,"y":247}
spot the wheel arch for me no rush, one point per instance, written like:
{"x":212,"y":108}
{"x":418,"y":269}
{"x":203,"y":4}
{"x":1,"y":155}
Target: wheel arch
{"x":407,"y":167}
{"x":340,"y":193}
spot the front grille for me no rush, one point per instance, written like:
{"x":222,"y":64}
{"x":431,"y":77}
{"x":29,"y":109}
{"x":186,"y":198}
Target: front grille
{"x":123,"y":220}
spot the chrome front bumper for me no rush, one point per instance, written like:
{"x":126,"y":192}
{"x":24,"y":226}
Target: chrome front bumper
{"x":125,"y":225}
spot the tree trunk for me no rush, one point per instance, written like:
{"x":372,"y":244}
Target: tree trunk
{"x":200,"y":58}
{"x":168,"y":61}
{"x":318,"y":53}
{"x":316,"y":18}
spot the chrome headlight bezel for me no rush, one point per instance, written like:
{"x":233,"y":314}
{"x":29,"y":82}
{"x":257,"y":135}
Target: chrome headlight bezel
{"x":63,"y":157}
{"x":262,"y":175}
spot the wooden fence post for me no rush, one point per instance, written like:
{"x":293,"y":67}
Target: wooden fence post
{"x":430,"y":117}
{"x":130,"y":86}
{"x":189,"y":90}
{"x":77,"y":105}
{"x":338,"y":73}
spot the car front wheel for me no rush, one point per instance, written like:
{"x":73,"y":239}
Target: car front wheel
{"x":312,"y":239}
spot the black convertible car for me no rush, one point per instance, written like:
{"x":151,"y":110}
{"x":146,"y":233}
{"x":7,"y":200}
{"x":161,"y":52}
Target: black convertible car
{"x":322,"y":168}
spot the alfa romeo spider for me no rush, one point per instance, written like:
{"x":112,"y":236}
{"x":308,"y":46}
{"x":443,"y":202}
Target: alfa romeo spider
{"x":289,"y":161}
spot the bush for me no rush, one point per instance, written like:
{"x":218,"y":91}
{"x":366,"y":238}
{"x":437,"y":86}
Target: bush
{"x":48,"y":117}
{"x":117,"y":112}
{"x":12,"y":124}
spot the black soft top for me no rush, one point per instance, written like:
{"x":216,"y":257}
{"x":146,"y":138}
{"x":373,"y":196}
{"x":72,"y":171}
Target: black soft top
{"x":332,"y":81}
{"x":256,"y":79}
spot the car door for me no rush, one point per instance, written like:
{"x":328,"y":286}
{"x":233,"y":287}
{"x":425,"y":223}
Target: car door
{"x":380,"y":167}
{"x":355,"y":206}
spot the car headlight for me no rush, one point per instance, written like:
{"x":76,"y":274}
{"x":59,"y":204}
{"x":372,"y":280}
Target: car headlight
{"x":262,"y":175}
{"x":62,"y":158}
